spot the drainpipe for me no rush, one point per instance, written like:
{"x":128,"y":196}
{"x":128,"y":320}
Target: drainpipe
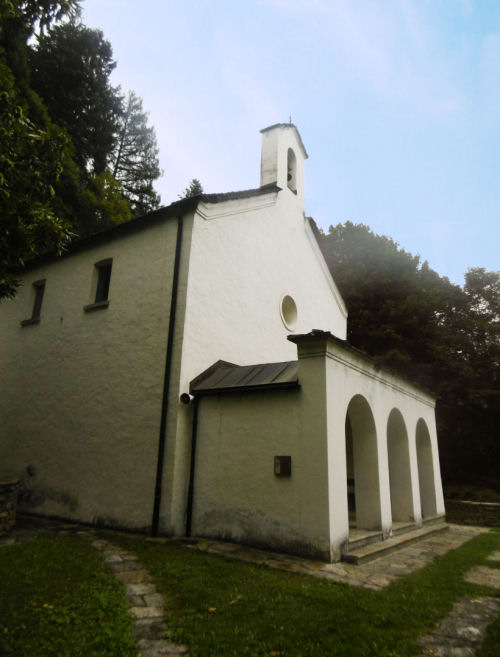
{"x":194,"y":436}
{"x":166,"y":382}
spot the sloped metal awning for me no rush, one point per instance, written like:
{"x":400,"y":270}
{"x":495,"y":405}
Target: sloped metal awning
{"x":227,"y":377}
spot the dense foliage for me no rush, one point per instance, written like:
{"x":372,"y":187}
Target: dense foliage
{"x":70,"y":69}
{"x":443,"y":337}
{"x":75,"y":156}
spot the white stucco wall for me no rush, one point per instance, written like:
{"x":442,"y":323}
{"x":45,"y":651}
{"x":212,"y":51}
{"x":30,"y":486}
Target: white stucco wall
{"x":246,"y":254}
{"x":80,"y":392}
{"x":238,"y":497}
{"x":350,"y":376}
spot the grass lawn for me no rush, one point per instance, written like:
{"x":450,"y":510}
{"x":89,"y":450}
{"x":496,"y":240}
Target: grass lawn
{"x":58,"y":598}
{"x":222,"y":608}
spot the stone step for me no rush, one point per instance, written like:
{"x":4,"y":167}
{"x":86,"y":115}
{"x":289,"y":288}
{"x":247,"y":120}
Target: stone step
{"x":359,"y":540}
{"x":356,"y":554}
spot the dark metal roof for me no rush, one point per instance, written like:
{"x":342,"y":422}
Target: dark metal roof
{"x":227,"y":377}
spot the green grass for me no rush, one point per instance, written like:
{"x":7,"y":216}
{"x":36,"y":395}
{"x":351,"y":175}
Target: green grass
{"x":58,"y":598}
{"x":222,"y":608}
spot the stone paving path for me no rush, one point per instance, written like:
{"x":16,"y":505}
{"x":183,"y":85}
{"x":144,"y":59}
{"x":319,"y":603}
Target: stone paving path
{"x":146,"y":604}
{"x":376,"y":574}
{"x":461,"y":633}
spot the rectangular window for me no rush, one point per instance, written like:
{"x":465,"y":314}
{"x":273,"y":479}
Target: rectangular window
{"x":37,"y":304}
{"x":38,"y":289}
{"x":101,"y":281}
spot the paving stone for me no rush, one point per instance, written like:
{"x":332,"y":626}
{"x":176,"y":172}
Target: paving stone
{"x":463,"y":629}
{"x":134,"y":576}
{"x":154,"y":600}
{"x":494,"y":557}
{"x":112,"y":557}
{"x":127,"y":556}
{"x":125,"y":566}
{"x":448,"y":650}
{"x":149,"y":628}
{"x":484,"y":576}
{"x":136,"y":600}
{"x":140,"y":589}
{"x":147,"y":612}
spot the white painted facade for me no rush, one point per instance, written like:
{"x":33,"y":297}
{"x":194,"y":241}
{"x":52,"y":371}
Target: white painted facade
{"x":239,"y":497}
{"x":82,"y":390}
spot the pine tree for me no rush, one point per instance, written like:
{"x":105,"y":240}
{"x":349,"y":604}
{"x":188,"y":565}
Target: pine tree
{"x":193,"y":189}
{"x":134,"y":161}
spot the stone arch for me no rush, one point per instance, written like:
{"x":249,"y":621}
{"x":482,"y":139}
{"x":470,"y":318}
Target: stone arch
{"x":361,"y":443}
{"x":291,"y":169}
{"x":425,"y":464}
{"x":398,"y":453}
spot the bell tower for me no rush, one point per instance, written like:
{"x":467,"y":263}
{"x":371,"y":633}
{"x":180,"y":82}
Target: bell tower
{"x":282,"y":159}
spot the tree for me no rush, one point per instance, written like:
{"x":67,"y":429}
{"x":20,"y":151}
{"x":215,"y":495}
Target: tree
{"x":394,"y":301}
{"x":32,"y":150}
{"x":134,"y":161}
{"x":60,"y":118}
{"x":193,"y":189}
{"x":70,"y":69}
{"x":439,"y":335}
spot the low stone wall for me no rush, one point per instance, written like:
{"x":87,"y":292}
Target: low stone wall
{"x":462,"y":512}
{"x":8,"y":503}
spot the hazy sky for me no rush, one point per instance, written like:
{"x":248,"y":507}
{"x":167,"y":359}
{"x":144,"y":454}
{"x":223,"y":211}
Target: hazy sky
{"x":397,"y":102}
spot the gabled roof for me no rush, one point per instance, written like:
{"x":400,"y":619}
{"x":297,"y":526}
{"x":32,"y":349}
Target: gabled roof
{"x":227,"y":377}
{"x":172,"y":211}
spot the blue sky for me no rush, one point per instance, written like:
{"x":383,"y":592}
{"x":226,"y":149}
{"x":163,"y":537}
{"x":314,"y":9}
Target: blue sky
{"x":397,"y":102}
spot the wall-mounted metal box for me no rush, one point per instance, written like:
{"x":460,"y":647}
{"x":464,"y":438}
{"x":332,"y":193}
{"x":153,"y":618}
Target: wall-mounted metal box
{"x":282,"y":466}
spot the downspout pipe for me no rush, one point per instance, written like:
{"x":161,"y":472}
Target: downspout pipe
{"x":194,"y":436}
{"x":166,"y":381}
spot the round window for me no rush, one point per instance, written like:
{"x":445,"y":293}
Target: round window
{"x":288,"y":312}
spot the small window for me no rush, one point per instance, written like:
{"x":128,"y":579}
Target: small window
{"x":38,"y":289}
{"x":101,"y":281}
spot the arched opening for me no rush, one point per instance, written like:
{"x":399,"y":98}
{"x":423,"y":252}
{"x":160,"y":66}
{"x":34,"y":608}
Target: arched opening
{"x":399,"y":468}
{"x":349,"y":455}
{"x":362,"y":472}
{"x":291,"y":170}
{"x":425,"y":471}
